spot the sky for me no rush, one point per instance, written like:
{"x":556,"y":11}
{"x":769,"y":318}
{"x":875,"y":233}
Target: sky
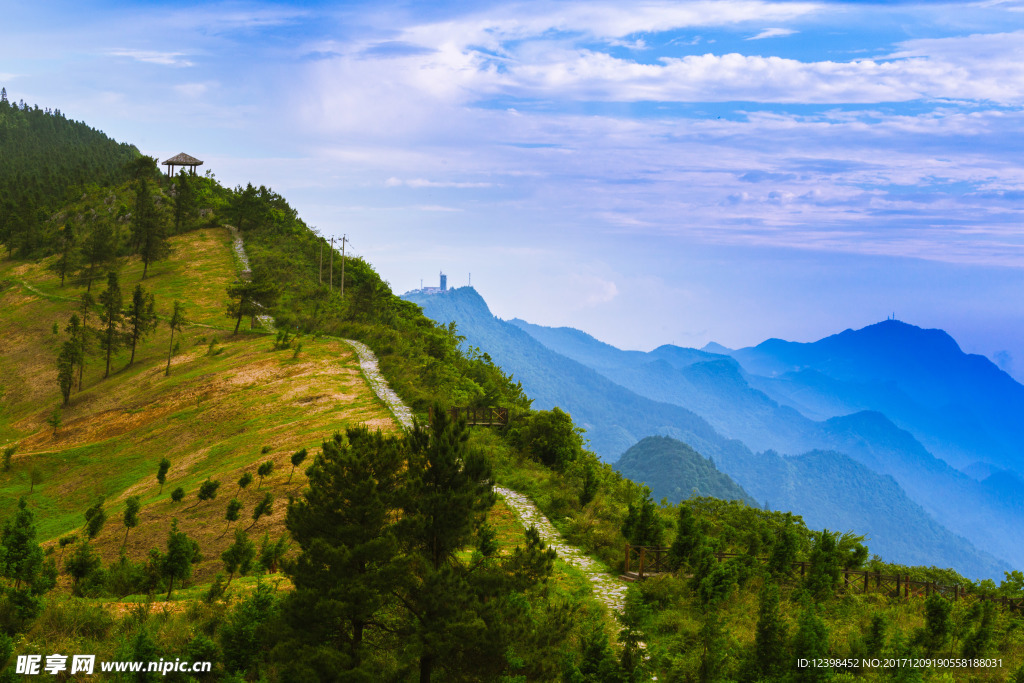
{"x":649,"y":172}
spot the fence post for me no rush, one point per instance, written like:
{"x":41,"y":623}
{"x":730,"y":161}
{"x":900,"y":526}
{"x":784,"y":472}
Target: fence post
{"x":865,"y":582}
{"x":643,"y":551}
{"x":906,"y":587}
{"x":897,"y":585}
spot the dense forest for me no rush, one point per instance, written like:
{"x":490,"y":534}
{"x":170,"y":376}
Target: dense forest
{"x":47,"y":158}
{"x":396,"y":559}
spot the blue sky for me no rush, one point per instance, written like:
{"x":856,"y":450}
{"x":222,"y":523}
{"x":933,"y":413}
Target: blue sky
{"x":661,"y":172}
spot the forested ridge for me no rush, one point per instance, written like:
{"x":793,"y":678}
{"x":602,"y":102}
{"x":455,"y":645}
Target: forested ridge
{"x":46,"y":159}
{"x":384,"y":556}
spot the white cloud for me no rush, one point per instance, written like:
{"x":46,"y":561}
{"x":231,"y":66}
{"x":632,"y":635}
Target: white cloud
{"x":422,"y":182}
{"x":192,"y":90}
{"x":773,"y":33}
{"x":154,"y":57}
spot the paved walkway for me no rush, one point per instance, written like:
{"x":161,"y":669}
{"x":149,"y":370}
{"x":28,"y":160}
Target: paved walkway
{"x":608,"y":589}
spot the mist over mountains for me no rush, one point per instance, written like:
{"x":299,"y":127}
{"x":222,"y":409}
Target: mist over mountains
{"x":890,"y":430}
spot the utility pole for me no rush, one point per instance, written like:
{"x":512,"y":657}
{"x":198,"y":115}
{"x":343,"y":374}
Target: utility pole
{"x":332,"y":264}
{"x":344,"y":238}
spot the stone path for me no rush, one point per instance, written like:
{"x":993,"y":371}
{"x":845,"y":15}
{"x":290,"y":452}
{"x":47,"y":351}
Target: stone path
{"x":608,"y":589}
{"x":368,"y":363}
{"x":243,"y":258}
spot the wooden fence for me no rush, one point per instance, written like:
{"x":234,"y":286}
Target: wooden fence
{"x":643,"y":561}
{"x":486,"y":417}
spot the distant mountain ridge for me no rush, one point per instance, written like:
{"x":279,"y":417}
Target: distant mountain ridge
{"x":616,"y":417}
{"x":849,"y":416}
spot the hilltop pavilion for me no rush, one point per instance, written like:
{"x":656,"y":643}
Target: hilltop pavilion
{"x":182,"y":160}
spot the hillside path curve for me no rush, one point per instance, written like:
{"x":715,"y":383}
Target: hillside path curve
{"x":609,"y":590}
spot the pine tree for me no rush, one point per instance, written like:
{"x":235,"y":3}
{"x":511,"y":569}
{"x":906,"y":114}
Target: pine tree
{"x":350,"y":560}
{"x":85,"y":306}
{"x":253,"y":297}
{"x":207,"y":491}
{"x":149,"y":229}
{"x":232,"y":513}
{"x":95,"y":518}
{"x":131,"y":516}
{"x":161,"y":472}
{"x":175,"y":322}
{"x":264,"y":470}
{"x":770,"y":656}
{"x":68,"y":253}
{"x":182,"y":553}
{"x":239,"y":555}
{"x":66,"y":370}
{"x":825,"y":566}
{"x":689,"y":536}
{"x":642,"y":526}
{"x":298,"y":457}
{"x":100,"y":251}
{"x":140,"y":318}
{"x":263,"y":509}
{"x":449,"y":492}
{"x":111,"y":317}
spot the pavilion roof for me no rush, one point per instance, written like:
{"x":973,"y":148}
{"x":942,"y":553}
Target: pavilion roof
{"x":183,"y":160}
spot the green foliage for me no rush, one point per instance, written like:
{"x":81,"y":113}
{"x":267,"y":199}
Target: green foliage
{"x":177,"y":495}
{"x":549,"y":436}
{"x":244,"y":633}
{"x":21,"y":560}
{"x":82,"y":566}
{"x":938,"y":625}
{"x":9,"y":452}
{"x":635,"y":615}
{"x":978,"y":641}
{"x":689,"y":536}
{"x":244,"y":480}
{"x":771,"y":658}
{"x":811,"y":642}
{"x":271,"y":552}
{"x":239,"y":555}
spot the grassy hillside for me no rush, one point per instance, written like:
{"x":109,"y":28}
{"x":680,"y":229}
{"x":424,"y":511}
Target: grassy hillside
{"x":212,"y":417}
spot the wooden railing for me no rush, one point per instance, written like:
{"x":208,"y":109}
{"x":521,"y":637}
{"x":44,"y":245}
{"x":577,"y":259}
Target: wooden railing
{"x":486,"y":417}
{"x":643,"y":561}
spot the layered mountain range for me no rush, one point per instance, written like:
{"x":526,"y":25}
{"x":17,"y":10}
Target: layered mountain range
{"x":891,"y":430}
